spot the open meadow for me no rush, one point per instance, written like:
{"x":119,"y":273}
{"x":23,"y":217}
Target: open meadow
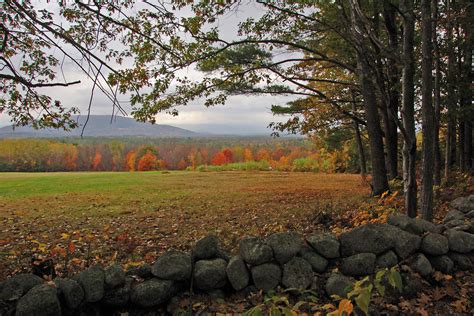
{"x":131,"y":217}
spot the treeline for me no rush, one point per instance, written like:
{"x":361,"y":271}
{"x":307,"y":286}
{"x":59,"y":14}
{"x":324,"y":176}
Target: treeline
{"x":37,"y":155}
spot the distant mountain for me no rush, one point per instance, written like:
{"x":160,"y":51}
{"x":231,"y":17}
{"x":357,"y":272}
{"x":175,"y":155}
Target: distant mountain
{"x":101,"y":126}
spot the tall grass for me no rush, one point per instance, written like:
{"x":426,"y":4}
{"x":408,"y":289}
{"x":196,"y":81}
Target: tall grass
{"x":238,"y":166}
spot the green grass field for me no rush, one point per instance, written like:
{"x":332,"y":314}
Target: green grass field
{"x":132,"y":215}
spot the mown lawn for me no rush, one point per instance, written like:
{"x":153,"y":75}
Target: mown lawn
{"x":134,"y":216}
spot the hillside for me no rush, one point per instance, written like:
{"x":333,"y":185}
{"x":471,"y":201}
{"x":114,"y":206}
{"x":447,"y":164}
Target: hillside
{"x":101,"y":126}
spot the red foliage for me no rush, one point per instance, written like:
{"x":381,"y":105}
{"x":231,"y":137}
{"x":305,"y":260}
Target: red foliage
{"x":148,"y":162}
{"x":222,"y":157}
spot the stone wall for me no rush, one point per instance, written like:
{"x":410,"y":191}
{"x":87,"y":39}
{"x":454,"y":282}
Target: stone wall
{"x":282,"y":259}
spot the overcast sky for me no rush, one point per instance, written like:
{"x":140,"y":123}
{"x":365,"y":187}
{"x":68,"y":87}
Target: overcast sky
{"x":240,"y":115}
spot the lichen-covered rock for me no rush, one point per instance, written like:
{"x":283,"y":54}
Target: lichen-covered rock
{"x":368,"y":238}
{"x":173,"y":265}
{"x":470,"y":214}
{"x":422,"y":265}
{"x":70,"y":292}
{"x":359,"y":264}
{"x":118,"y":296}
{"x":386,"y":260}
{"x":153,"y":292}
{"x":142,"y":271}
{"x":442,"y":263}
{"x":254,"y":251}
{"x":317,"y":262}
{"x":237,"y":273}
{"x":297,"y":273}
{"x":461,"y":262}
{"x":325,"y":244}
{"x":266,"y":276}
{"x":210,"y":274}
{"x":404,"y":242}
{"x":460,"y":241}
{"x":339,"y":285}
{"x":285,"y":245}
{"x":463,"y":204}
{"x":453,"y":215}
{"x":434,"y":244}
{"x":415,"y":226}
{"x":454,"y":223}
{"x":92,"y":282}
{"x":207,"y":248}
{"x":114,"y":276}
{"x":41,"y":300}
{"x":14,"y":287}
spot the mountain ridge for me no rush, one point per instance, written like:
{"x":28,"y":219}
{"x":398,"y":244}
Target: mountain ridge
{"x":101,"y":126}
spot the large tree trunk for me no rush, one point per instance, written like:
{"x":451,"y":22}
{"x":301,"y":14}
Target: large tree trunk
{"x":365,"y":74}
{"x":427,"y":113}
{"x":450,"y":154}
{"x":468,"y":110}
{"x":437,"y":96}
{"x":408,"y":109}
{"x":389,"y":13}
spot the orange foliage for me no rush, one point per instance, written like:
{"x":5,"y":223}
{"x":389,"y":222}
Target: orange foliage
{"x":97,"y":160}
{"x":130,"y":160}
{"x":263,"y":154}
{"x":182,"y":164}
{"x":148,"y":162}
{"x":248,"y":155}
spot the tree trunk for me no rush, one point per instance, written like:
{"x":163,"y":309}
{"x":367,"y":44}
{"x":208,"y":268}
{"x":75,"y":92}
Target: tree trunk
{"x":408,"y":109}
{"x":379,"y":172}
{"x":360,"y":145}
{"x":450,"y":154}
{"x":391,"y":131}
{"x":427,"y":113}
{"x":437,"y":96}
{"x":468,"y":110}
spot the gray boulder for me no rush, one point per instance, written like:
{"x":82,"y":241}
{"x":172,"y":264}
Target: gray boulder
{"x":70,"y":292}
{"x":285,"y":245}
{"x":114,"y":276}
{"x":266,"y":276}
{"x":173,"y":265}
{"x":442,"y":263}
{"x":463,"y":204}
{"x":470,"y":214}
{"x":237,"y":273}
{"x":359,"y":264}
{"x":462,"y":262}
{"x":255,"y":252}
{"x":41,"y":300}
{"x":339,"y":285}
{"x":415,"y":226}
{"x":454,"y":223}
{"x":210,"y":274}
{"x":317,"y":262}
{"x":325,"y":244}
{"x":14,"y":287}
{"x":368,"y":238}
{"x":142,"y":271}
{"x":153,"y":292}
{"x":207,"y":248}
{"x":386,"y":260}
{"x":422,"y":265}
{"x":435,"y":244}
{"x":297,"y":273}
{"x":460,"y":241}
{"x":92,"y":282}
{"x":404,"y":242}
{"x":453,"y":215}
{"x":118,"y":296}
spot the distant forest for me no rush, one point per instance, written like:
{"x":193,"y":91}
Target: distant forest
{"x":147,"y":154}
